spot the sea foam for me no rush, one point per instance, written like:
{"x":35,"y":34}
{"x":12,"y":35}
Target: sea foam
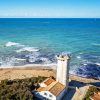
{"x":30,"y":49}
{"x":23,"y":47}
{"x":33,"y":57}
{"x":9,"y":44}
{"x":97,"y":64}
{"x":95,"y":44}
{"x":79,"y":57}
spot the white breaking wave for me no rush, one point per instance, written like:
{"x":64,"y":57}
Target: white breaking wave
{"x":11,"y":61}
{"x":97,"y":64}
{"x":23,"y":48}
{"x":30,"y":49}
{"x":79,"y":57}
{"x":34,"y":56}
{"x":96,"y":44}
{"x":65,"y":53}
{"x":72,"y":72}
{"x":7,"y":62}
{"x":45,"y":60}
{"x":9,"y":44}
{"x":84,"y":64}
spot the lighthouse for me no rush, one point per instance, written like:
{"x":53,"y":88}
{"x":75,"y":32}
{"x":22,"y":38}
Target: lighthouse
{"x":62,"y":74}
{"x":51,"y":89}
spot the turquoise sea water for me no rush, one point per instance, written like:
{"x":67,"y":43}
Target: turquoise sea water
{"x":39,"y":40}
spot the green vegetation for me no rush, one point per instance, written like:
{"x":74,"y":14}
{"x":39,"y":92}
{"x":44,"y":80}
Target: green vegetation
{"x":19,"y":89}
{"x":90,"y":92}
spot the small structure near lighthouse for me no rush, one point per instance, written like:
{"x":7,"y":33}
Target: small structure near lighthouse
{"x":51,"y":89}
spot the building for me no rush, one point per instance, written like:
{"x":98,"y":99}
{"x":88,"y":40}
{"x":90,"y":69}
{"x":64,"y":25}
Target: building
{"x":96,"y":96}
{"x":80,"y":92}
{"x":51,"y":89}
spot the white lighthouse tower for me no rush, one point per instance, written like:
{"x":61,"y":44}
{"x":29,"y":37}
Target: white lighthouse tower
{"x":62,"y":69}
{"x":51,"y":89}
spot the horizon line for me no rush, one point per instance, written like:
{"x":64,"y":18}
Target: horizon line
{"x":51,"y":17}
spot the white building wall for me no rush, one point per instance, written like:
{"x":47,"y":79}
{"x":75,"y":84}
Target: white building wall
{"x":65,"y":73}
{"x":42,"y":95}
{"x":59,"y":71}
{"x":42,"y":85}
{"x":62,"y":70}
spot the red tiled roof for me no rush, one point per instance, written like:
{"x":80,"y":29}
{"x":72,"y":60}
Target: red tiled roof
{"x":49,"y":81}
{"x":40,"y":89}
{"x":57,"y":88}
{"x":52,"y":86}
{"x":96,"y":96}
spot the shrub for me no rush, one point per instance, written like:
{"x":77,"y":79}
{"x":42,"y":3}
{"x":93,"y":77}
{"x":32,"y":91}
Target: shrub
{"x":91,"y":91}
{"x":19,"y":89}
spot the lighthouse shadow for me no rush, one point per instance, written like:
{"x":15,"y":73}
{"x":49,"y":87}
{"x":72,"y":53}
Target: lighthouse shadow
{"x":77,"y":84}
{"x":70,"y":93}
{"x":97,"y":84}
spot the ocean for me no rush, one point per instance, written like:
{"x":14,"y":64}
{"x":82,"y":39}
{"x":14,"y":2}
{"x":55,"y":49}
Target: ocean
{"x":37,"y":41}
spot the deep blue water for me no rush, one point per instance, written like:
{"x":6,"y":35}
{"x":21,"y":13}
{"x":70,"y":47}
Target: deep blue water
{"x":39,"y":40}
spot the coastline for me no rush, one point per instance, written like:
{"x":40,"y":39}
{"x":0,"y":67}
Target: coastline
{"x":35,"y":71}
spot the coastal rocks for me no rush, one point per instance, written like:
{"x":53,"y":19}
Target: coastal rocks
{"x":89,"y":71}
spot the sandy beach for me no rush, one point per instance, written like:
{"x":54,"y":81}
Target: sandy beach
{"x":11,"y":73}
{"x":21,"y":73}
